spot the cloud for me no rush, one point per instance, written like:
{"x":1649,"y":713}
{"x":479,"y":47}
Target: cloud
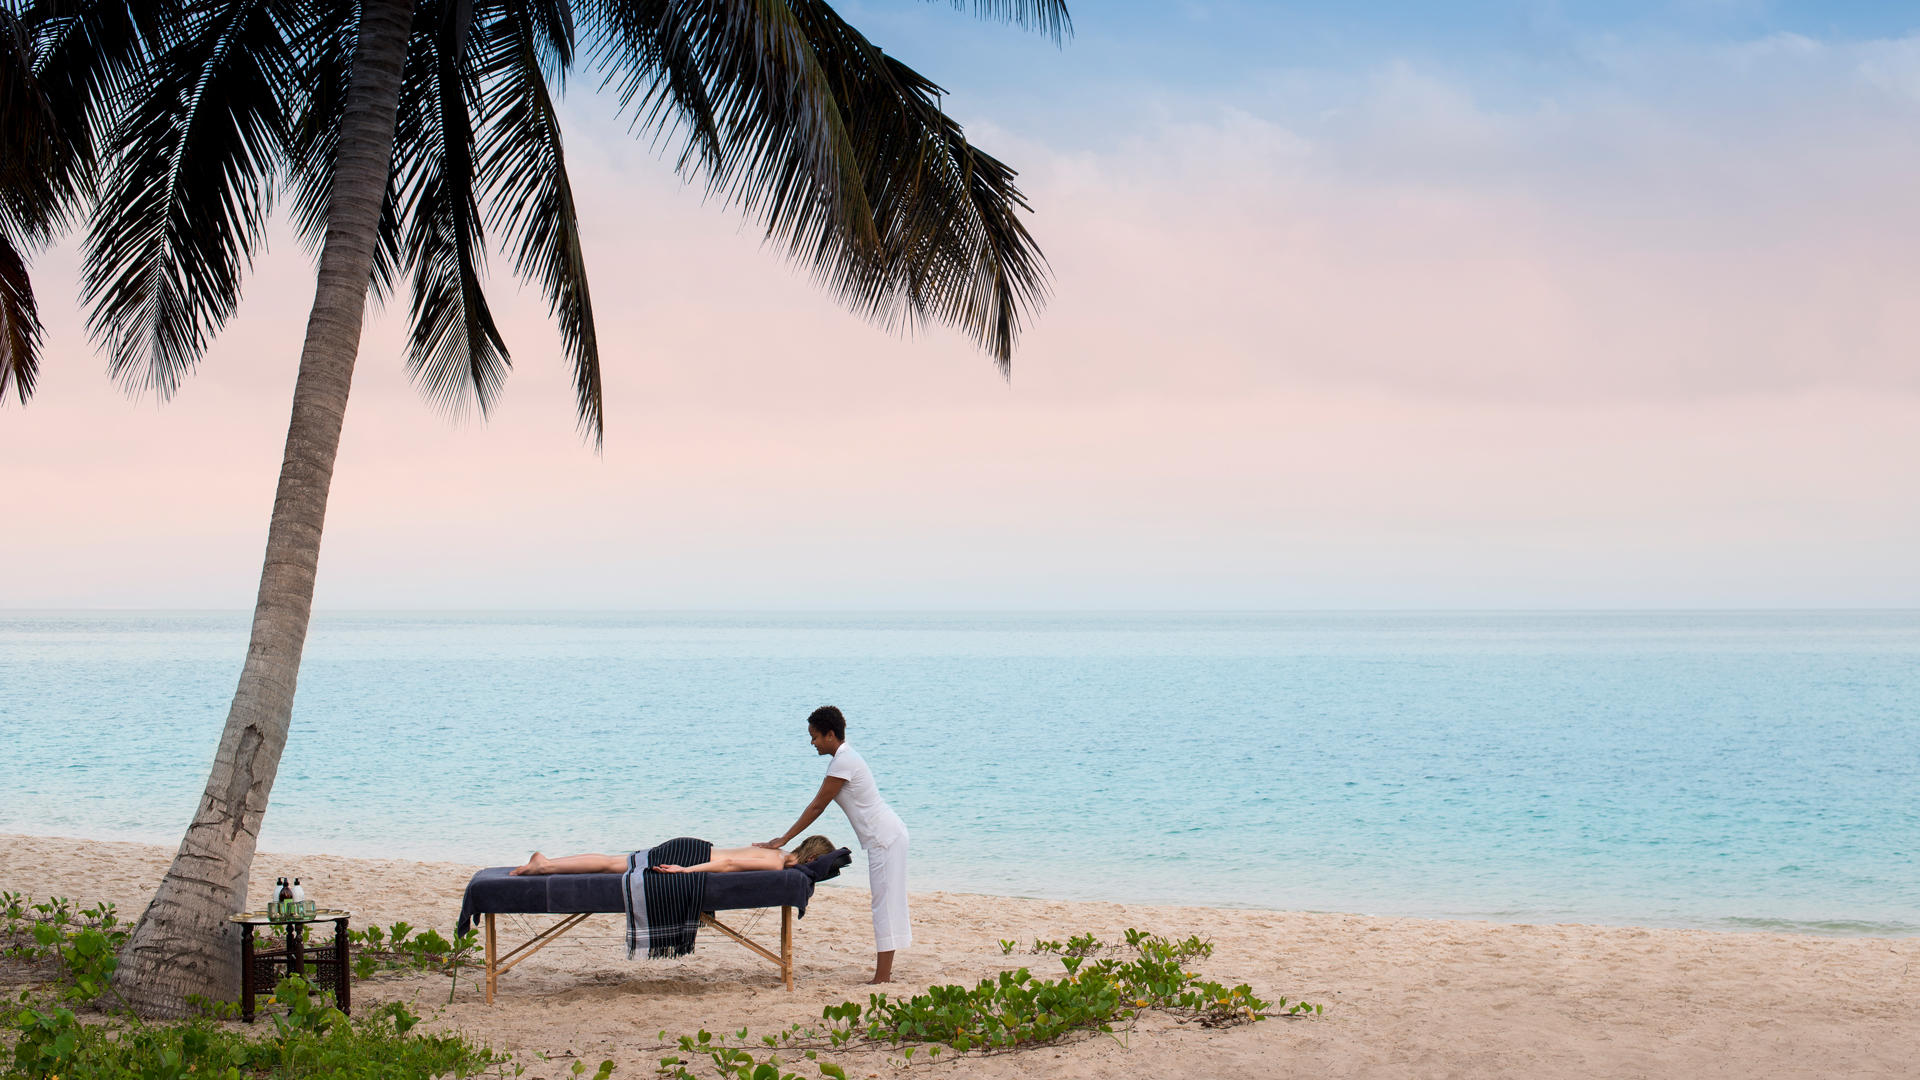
{"x":1892,"y":66}
{"x":1702,"y":222}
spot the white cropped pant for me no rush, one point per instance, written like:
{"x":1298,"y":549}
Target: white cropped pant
{"x":887,"y":877}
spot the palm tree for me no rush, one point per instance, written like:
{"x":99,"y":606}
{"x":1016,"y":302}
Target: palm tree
{"x":396,"y":121}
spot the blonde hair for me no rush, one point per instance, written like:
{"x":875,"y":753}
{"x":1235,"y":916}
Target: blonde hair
{"x":812,"y":848}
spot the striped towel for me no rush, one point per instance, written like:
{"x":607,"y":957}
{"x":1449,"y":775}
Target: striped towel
{"x":663,"y":910}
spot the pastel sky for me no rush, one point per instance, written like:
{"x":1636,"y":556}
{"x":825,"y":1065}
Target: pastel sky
{"x":1399,"y":305}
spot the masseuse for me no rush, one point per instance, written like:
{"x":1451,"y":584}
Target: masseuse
{"x":882,"y":834}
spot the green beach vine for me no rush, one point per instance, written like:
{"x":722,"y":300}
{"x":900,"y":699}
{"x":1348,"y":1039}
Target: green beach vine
{"x":1010,"y":1011}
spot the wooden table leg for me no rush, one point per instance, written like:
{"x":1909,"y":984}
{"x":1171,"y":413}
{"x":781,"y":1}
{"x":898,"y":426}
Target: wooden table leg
{"x":343,"y":986}
{"x":246,"y":973}
{"x":493,"y":974}
{"x":786,"y":945}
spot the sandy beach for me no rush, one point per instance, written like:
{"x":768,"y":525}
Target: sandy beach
{"x":1403,"y":997}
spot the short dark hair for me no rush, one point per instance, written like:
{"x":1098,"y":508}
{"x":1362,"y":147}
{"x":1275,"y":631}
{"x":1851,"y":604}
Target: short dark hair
{"x":827,"y":721}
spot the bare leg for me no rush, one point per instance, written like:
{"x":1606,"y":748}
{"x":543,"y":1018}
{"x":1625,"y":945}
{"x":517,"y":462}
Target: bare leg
{"x":573,"y":864}
{"x":883,"y":967}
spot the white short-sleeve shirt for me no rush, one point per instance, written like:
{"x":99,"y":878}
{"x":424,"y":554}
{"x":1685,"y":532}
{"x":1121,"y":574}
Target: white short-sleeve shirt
{"x":874,"y":822}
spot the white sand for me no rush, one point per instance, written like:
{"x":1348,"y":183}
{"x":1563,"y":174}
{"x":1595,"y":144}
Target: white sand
{"x":1404,"y":997}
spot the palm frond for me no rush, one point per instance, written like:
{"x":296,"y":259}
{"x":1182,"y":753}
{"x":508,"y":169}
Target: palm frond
{"x":552,"y":35}
{"x":63,"y":66}
{"x":741,"y":78}
{"x":1049,"y":17}
{"x":20,"y":330}
{"x":455,"y":353}
{"x":523,"y":169}
{"x":30,"y":139}
{"x":842,"y":153}
{"x":951,"y":244}
{"x":786,"y":152}
{"x":646,"y":52}
{"x":85,"y":59}
{"x":954,"y":248}
{"x":185,"y":201}
{"x":28,"y":201}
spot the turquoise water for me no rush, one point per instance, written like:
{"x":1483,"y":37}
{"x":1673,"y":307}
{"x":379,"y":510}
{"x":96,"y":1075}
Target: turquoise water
{"x":1713,"y":770}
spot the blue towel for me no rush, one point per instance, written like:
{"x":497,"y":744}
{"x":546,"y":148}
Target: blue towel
{"x":663,"y":910}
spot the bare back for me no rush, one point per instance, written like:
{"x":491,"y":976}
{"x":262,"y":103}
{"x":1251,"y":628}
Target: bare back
{"x":750,"y":858}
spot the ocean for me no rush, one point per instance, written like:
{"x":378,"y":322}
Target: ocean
{"x":1717,"y":770}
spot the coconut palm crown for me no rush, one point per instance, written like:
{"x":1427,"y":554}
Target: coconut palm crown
{"x":840,"y":151}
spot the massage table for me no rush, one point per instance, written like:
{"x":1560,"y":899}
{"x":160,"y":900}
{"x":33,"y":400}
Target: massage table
{"x":575,"y":897}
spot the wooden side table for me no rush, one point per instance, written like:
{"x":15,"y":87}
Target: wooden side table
{"x":261,"y":969}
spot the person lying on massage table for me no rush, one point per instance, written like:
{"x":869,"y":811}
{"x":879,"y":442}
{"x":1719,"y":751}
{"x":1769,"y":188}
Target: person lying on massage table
{"x":724,"y":861}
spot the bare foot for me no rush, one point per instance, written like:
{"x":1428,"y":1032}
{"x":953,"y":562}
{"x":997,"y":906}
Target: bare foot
{"x":536,"y":865}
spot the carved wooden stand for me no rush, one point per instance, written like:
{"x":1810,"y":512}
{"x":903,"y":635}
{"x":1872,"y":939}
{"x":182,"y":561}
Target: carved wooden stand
{"x":262,"y":969}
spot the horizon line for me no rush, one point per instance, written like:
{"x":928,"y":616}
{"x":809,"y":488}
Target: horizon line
{"x":1356,"y":610}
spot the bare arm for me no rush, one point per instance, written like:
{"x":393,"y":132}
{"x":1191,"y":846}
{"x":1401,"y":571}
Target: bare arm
{"x":829,"y":787}
{"x":711,"y":866}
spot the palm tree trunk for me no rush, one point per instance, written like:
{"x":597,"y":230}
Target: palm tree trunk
{"x":184,"y":945}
